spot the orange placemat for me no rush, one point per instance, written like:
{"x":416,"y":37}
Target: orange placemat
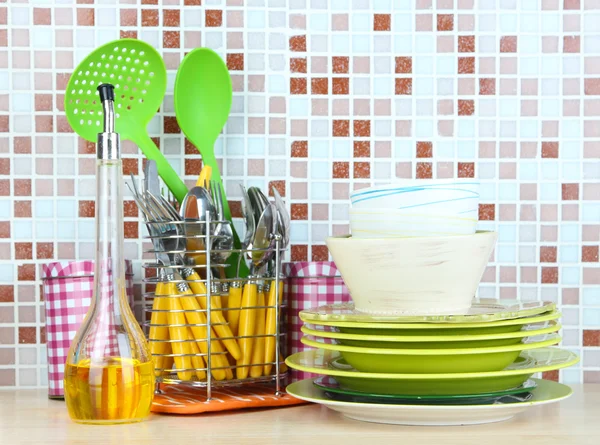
{"x":180,"y":399}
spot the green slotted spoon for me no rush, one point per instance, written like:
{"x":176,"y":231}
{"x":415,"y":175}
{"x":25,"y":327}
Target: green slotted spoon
{"x":203,"y":96}
{"x":139,"y":75}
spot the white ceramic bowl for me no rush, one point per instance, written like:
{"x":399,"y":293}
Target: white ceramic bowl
{"x":413,"y":276}
{"x":443,"y":197}
{"x":392,"y":223}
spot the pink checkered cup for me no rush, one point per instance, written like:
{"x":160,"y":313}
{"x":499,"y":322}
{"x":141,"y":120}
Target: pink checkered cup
{"x":68,"y":289}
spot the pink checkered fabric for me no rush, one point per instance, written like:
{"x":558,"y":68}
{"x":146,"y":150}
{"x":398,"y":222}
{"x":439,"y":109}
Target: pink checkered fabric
{"x":310,"y":284}
{"x":68,"y":290}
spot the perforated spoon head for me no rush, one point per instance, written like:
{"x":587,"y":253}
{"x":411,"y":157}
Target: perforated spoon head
{"x":139,"y":75}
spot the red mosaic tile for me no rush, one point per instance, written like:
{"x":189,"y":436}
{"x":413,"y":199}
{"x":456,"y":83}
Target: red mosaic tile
{"x":149,"y":17}
{"x":592,"y":86}
{"x":299,"y":252}
{"x":589,"y":254}
{"x":341,"y":170}
{"x":549,"y":149}
{"x":235,"y":62}
{"x":551,"y":375}
{"x":466,"y":107}
{"x":320,"y":253}
{"x":424,"y":170}
{"x":170,"y":125}
{"x":341,"y":128}
{"x":192,"y":2}
{"x":362,"y":170}
{"x":298,"y":65}
{"x":362,"y":149}
{"x":130,"y":230}
{"x":85,"y":17}
{"x":27,"y":335}
{"x":445,"y":22}
{"x":549,"y":275}
{"x":87,"y":209}
{"x":171,"y":39}
{"x":214,"y":17}
{"x":299,"y":211}
{"x":298,"y":85}
{"x":193,"y":167}
{"x":130,"y":209}
{"x":22,"y":209}
{"x":128,"y":34}
{"x":362,"y":128}
{"x":508,"y":44}
{"x":235,"y":207}
{"x":466,"y":44}
{"x":319,"y":85}
{"x":7,"y":293}
{"x":22,"y":145}
{"x":128,"y":17}
{"x":403,"y":86}
{"x":548,"y":254}
{"x":23,"y":251}
{"x":300,"y":149}
{"x":466,"y":170}
{"x":424,"y":149}
{"x":340,"y":85}
{"x":4,"y":229}
{"x":171,"y":18}
{"x":42,"y":16}
{"x":298,"y":43}
{"x":382,"y":22}
{"x":571,"y":44}
{"x":26,"y":272}
{"x":4,"y":187}
{"x":4,"y":166}
{"x":44,"y":251}
{"x":22,"y":187}
{"x":487,"y":212}
{"x":403,"y":65}
{"x":570,"y":192}
{"x":591,"y":337}
{"x":279,"y":185}
{"x":487,"y":87}
{"x":340,"y":65}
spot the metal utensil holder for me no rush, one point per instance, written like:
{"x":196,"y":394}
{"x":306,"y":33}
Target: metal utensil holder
{"x":155,"y":273}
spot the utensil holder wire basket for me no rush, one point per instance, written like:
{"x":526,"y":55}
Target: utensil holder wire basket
{"x":176,"y":268}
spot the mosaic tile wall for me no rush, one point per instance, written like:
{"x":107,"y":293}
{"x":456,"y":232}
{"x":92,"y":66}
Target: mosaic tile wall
{"x":329,"y":96}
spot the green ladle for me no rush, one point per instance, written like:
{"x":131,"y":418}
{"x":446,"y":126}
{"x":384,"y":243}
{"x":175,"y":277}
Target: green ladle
{"x":202,"y":102}
{"x":139,"y":75}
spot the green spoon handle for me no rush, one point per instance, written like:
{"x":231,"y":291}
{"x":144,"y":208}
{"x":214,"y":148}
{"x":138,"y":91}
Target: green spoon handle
{"x":171,"y":178}
{"x":208,"y":158}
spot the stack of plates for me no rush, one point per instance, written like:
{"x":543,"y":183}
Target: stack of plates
{"x":432,"y":370}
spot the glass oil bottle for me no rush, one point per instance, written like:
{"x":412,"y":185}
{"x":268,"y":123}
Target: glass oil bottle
{"x":109,"y":374}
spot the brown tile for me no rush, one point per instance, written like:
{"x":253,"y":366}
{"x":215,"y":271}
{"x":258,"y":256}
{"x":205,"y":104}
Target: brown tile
{"x":445,"y":22}
{"x":26,"y":272}
{"x":87,"y":209}
{"x":551,"y":375}
{"x":171,"y":39}
{"x":403,"y":65}
{"x":362,"y":170}
{"x":85,"y":17}
{"x":300,"y":149}
{"x":22,"y":145}
{"x":43,"y":124}
{"x":23,"y":251}
{"x":193,"y":166}
{"x":190,"y":2}
{"x":548,"y":254}
{"x":592,"y":86}
{"x":589,"y":254}
{"x":487,"y":212}
{"x":149,"y":17}
{"x":424,"y":170}
{"x":341,"y":128}
{"x":487,"y":87}
{"x":591,"y":337}
{"x":341,"y":170}
{"x":22,"y":209}
{"x":382,"y":22}
{"x":298,"y":65}
{"x":466,"y":107}
{"x":42,"y":16}
{"x":424,"y":149}
{"x":362,"y":149}
{"x":298,"y":43}
{"x":4,"y":229}
{"x":86,"y":148}
{"x":7,"y":293}
{"x":466,"y":170}
{"x":43,"y":102}
{"x":403,"y":86}
{"x":4,"y":187}
{"x":550,"y":275}
{"x":128,"y":34}
{"x":549,"y":149}
{"x":340,"y":65}
{"x":320,"y":253}
{"x":279,"y":185}
{"x":508,"y":44}
{"x":170,"y":125}
{"x":299,"y":212}
{"x":214,"y":17}
{"x":570,"y":192}
{"x":171,"y":18}
{"x":319,"y":85}
{"x":362,"y":128}
{"x":128,"y":17}
{"x":22,"y":187}
{"x":4,"y":166}
{"x":130,"y":229}
{"x":235,"y":207}
{"x":299,"y":252}
{"x":44,"y":251}
{"x":466,"y":44}
{"x":27,"y":335}
{"x":235,"y":62}
{"x":572,"y":4}
{"x":340,"y":85}
{"x":4,"y":123}
{"x":298,"y":85}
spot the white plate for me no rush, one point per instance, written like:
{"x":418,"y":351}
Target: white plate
{"x":546,"y":392}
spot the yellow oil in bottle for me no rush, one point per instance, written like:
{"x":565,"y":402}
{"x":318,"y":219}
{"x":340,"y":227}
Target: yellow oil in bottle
{"x":116,"y":390}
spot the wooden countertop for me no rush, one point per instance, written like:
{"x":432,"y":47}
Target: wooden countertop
{"x":29,"y":417}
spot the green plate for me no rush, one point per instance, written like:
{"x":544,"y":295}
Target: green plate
{"x":382,"y":340}
{"x":482,"y":311}
{"x":331,"y":385}
{"x":424,"y":361}
{"x":330,"y":363}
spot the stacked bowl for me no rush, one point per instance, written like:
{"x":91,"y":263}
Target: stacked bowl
{"x":414,"y":347}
